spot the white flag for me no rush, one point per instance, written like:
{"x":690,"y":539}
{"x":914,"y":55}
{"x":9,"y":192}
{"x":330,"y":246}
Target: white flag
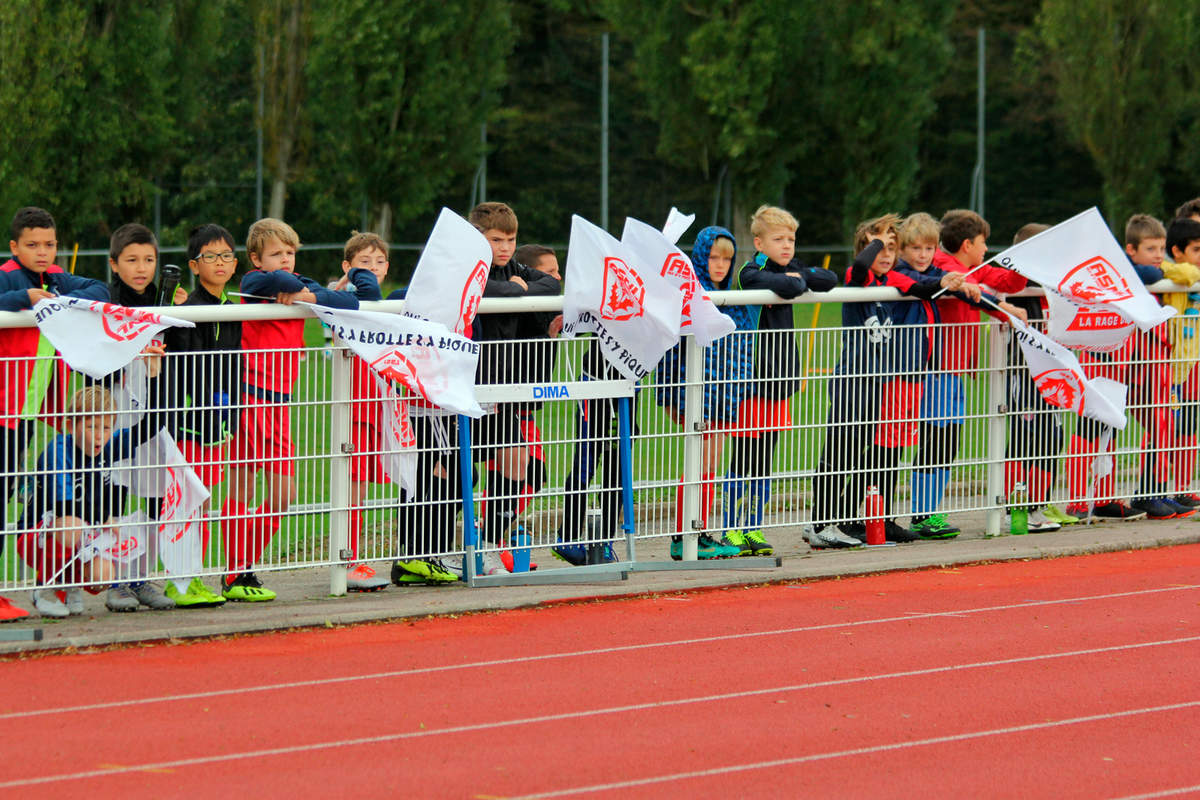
{"x":1096,"y":329}
{"x":435,"y":364}
{"x":399,"y":445}
{"x":1061,"y":381}
{"x":677,"y":223}
{"x":1082,"y":261}
{"x":448,"y":281}
{"x":633,"y":310}
{"x":98,"y":338}
{"x":651,"y":247}
{"x":130,"y":394}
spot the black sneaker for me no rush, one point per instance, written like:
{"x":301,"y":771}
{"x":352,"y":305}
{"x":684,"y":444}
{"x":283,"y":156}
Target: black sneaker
{"x":894,"y":532}
{"x":1154,"y":507}
{"x":1189,"y":500}
{"x":1118,"y":511}
{"x":246,"y":588}
{"x":1181,"y":509}
{"x":856,"y":529}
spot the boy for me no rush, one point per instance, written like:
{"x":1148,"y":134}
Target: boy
{"x":943,"y":400}
{"x":204,"y":374}
{"x":263,"y":440}
{"x":539,"y":257}
{"x":766,"y":409}
{"x":498,"y":437}
{"x":1182,"y":265}
{"x":29,"y":375}
{"x":76,"y":494}
{"x":851,"y":461}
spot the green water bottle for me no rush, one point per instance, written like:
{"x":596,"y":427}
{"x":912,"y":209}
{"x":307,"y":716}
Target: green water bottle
{"x":1018,"y":512}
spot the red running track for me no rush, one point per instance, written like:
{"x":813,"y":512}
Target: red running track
{"x":1075,"y":677}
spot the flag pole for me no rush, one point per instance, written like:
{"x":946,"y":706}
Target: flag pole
{"x":971,"y":271}
{"x":812,"y":333}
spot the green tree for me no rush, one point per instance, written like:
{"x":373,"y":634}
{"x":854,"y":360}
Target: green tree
{"x":400,"y":90}
{"x":1118,"y":73}
{"x":283,"y":31}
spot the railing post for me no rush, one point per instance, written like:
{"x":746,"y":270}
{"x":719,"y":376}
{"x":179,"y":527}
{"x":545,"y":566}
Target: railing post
{"x":339,"y":469}
{"x":466,"y":477}
{"x":997,"y":420}
{"x":693,"y":443}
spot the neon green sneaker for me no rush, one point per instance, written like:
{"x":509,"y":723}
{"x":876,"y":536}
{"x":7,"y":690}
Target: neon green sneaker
{"x":247,"y":588}
{"x":934,"y":526}
{"x":1061,"y":517}
{"x":197,"y":595}
{"x":759,"y":546}
{"x":738,"y":539}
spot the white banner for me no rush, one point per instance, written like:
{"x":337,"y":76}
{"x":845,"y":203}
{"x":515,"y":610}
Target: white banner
{"x":651,"y":247}
{"x":1096,"y":329}
{"x":633,"y":310}
{"x":399,"y":443}
{"x":98,"y":338}
{"x":130,"y":394}
{"x":453,"y":267}
{"x":1061,"y":381}
{"x":677,"y":224}
{"x":433,"y":363}
{"x":1082,"y":261}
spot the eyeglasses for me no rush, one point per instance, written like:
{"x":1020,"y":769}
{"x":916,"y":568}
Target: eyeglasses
{"x":211,"y":258}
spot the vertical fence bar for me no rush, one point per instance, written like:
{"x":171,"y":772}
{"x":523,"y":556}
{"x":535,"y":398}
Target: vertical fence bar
{"x":467,"y":477}
{"x":693,"y":425}
{"x":339,"y":483}
{"x":997,"y":374}
{"x":625,"y":460}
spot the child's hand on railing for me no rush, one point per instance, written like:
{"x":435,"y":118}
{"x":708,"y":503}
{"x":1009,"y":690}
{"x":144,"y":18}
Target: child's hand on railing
{"x":1014,"y":311}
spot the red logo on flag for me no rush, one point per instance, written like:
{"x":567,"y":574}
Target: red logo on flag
{"x":1089,"y":318}
{"x":396,"y":366}
{"x":172,"y":497}
{"x":471,"y":295}
{"x":676,"y":266}
{"x":624,"y":293}
{"x":1095,"y":281}
{"x":123,"y":324}
{"x":401,"y":425}
{"x":125,"y":547}
{"x":1062,"y":388}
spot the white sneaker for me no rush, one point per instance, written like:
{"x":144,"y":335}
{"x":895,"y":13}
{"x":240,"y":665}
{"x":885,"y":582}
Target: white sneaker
{"x":829,"y":537}
{"x":492,"y":565}
{"x":48,"y":605}
{"x":362,"y":578}
{"x":1039,"y":523}
{"x":75,"y":601}
{"x":452,"y":564}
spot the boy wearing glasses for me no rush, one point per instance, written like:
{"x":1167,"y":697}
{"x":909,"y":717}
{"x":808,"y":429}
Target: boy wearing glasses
{"x":205,"y":368}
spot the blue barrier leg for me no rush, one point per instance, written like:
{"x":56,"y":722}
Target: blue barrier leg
{"x":625,"y":459}
{"x":468,"y":497}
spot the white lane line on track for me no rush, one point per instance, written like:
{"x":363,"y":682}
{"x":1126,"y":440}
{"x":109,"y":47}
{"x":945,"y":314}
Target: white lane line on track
{"x":400,"y":673}
{"x":861,"y":751}
{"x":1163,"y":793}
{"x":657,"y":704}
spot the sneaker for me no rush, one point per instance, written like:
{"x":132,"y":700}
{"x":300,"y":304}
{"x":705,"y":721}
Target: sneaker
{"x":706,"y":548}
{"x":246,"y":588}
{"x":48,"y":605}
{"x":607,"y":554}
{"x":738,"y":539}
{"x":1061,"y":517}
{"x":1154,"y":508}
{"x":424,"y":571}
{"x":676,"y":548}
{"x":895,"y":532}
{"x":934,"y":526}
{"x":152,"y":597}
{"x":9,"y":612}
{"x":1040,"y":523}
{"x":856,"y":529}
{"x":1118,"y":511}
{"x":491,"y":563}
{"x":759,"y":546}
{"x":574,"y":554}
{"x":362,"y":578}
{"x":829,"y":537}
{"x":197,"y":595}
{"x":720,"y":550}
{"x":74,"y":600}
{"x":1192,"y":500}
{"x":1181,"y":509}
{"x":120,"y":597}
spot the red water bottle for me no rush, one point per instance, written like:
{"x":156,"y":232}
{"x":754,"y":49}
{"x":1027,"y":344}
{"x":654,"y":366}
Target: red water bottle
{"x":874,"y":514}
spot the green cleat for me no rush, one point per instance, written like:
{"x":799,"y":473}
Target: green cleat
{"x":197,"y":595}
{"x":247,"y":588}
{"x":1061,"y":517}
{"x":934,"y":526}
{"x":759,"y":546}
{"x":738,"y":539}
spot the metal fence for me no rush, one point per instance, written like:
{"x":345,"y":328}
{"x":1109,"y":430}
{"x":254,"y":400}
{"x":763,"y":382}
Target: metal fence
{"x":768,"y":432}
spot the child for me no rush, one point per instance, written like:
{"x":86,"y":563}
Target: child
{"x":850,"y":460}
{"x":204,"y":369}
{"x":28,"y":374}
{"x":943,"y":399}
{"x":263,"y":440}
{"x":73,"y":499}
{"x":539,"y":257}
{"x":1182,"y":265}
{"x":728,"y":366}
{"x":766,"y":410}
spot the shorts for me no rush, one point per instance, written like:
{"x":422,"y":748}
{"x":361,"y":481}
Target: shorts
{"x":498,"y":431}
{"x":944,"y":400}
{"x":46,"y":557}
{"x":208,"y":461}
{"x":899,"y":407}
{"x":758,"y":414}
{"x":264,"y":437}
{"x":365,"y":465}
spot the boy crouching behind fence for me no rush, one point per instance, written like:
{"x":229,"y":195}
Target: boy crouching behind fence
{"x":73,"y":505}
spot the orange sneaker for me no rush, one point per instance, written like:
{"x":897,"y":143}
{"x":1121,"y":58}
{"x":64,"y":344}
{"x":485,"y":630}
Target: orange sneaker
{"x":362,"y":578}
{"x":9,"y":612}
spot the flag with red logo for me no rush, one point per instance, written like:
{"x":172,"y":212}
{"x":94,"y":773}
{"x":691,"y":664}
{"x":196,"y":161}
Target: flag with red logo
{"x":423,"y":356}
{"x":1060,"y":380}
{"x":700,"y":316}
{"x":448,"y":281}
{"x":98,"y":338}
{"x":399,"y":445}
{"x":1080,"y":260}
{"x":634,"y":311}
{"x":1097,"y":329}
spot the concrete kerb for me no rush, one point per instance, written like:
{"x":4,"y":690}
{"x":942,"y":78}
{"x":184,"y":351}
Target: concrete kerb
{"x":303,"y":601}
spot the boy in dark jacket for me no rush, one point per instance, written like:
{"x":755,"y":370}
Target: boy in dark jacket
{"x":766,"y":410}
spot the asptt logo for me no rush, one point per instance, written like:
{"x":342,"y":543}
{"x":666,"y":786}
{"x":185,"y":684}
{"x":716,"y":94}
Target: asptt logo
{"x":1062,"y":388}
{"x":400,"y":425}
{"x":1095,"y":281}
{"x":677,"y":268}
{"x":1090,"y":318}
{"x":396,"y":366}
{"x":624,"y":292}
{"x":472,"y":293}
{"x":122,"y":324}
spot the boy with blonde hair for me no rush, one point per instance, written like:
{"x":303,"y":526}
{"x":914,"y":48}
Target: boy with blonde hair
{"x":272,"y":363}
